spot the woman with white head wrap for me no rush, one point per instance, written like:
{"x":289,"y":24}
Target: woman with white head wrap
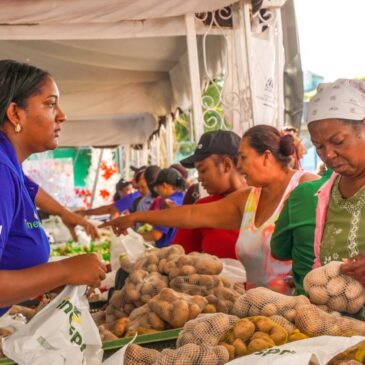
{"x":336,"y":122}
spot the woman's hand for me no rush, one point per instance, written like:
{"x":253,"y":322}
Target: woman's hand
{"x":120,"y":225}
{"x":84,"y":269}
{"x":355,"y":267}
{"x":71,"y":220}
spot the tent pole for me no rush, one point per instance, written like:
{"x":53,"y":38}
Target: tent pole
{"x":169,"y":139}
{"x":96,"y":177}
{"x":247,"y":32}
{"x":194,"y":75}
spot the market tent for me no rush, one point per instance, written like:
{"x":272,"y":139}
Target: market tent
{"x":110,"y":59}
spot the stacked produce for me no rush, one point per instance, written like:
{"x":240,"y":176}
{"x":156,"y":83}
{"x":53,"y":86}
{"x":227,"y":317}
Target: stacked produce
{"x":326,"y":286}
{"x":166,"y":288}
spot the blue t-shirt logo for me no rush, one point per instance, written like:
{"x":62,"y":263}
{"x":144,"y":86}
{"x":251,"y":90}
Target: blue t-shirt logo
{"x":33,"y":225}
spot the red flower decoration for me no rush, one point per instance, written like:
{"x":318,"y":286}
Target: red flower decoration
{"x":104,"y":193}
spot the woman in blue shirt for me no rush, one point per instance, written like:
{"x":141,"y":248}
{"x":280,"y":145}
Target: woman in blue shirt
{"x":170,"y":186}
{"x":30,"y":122}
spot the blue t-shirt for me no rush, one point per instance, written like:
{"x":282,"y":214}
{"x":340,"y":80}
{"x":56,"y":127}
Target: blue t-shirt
{"x":23,"y":242}
{"x":126,"y":203}
{"x":169,"y":232}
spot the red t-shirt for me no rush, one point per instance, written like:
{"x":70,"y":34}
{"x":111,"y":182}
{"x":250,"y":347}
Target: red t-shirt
{"x":215,"y":241}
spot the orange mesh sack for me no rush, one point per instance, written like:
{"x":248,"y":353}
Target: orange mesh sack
{"x":253,"y":334}
{"x":327,"y":286}
{"x":176,"y":308}
{"x":137,"y":355}
{"x":143,"y":318}
{"x":141,"y":286}
{"x":192,"y":354}
{"x":265,"y":302}
{"x":206,"y":329}
{"x":313,"y":321}
{"x":194,"y":263}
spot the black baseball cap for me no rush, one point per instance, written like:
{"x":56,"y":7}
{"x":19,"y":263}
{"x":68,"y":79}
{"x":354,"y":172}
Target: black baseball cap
{"x":214,"y":143}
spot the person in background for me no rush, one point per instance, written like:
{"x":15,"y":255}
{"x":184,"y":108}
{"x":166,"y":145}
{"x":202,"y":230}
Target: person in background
{"x":122,"y":188}
{"x":215,"y":160}
{"x":30,"y":122}
{"x":170,"y":186}
{"x":123,"y":205}
{"x":150,"y":175}
{"x":264,"y":158}
{"x":300,"y":149}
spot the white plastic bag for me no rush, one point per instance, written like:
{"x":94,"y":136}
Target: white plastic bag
{"x":233,"y":270}
{"x":118,"y":357}
{"x":316,"y":351}
{"x":131,"y":245}
{"x":62,"y":333}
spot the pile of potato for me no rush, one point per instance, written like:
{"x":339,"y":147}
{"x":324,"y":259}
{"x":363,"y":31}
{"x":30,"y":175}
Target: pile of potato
{"x":176,"y":308}
{"x":265,"y":302}
{"x":253,"y":334}
{"x":313,"y":321}
{"x":137,"y":355}
{"x":327,"y":286}
{"x":222,"y":300}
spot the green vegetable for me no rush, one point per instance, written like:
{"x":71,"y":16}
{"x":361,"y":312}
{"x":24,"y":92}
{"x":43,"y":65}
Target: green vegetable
{"x":145,"y":228}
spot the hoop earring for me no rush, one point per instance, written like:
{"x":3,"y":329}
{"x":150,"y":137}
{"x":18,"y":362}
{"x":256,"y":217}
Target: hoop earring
{"x":18,"y":128}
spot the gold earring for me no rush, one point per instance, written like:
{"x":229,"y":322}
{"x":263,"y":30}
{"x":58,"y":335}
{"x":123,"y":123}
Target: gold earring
{"x":18,"y":128}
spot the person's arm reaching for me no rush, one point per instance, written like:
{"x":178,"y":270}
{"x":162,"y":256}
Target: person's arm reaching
{"x":19,"y":285}
{"x":70,"y":219}
{"x":225,"y":213}
{"x":104,"y":209}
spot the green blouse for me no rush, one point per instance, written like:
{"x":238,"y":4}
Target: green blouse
{"x":344,"y":233}
{"x":293,"y":237}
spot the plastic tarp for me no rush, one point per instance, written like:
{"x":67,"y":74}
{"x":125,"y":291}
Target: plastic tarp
{"x":110,"y":58}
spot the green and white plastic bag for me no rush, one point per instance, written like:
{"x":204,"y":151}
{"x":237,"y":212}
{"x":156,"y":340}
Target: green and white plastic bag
{"x":62,"y":333}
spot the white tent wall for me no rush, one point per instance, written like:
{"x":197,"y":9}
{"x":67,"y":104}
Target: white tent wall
{"x":116,"y":58}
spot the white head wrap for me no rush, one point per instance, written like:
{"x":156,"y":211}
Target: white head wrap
{"x":342,"y":99}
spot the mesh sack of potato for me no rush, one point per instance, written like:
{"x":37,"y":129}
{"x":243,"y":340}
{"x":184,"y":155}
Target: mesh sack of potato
{"x":117,"y":307}
{"x":253,"y":334}
{"x":143,"y":318}
{"x":327,"y":286}
{"x":221,"y":300}
{"x":150,"y":260}
{"x":176,"y":308}
{"x":141,"y":286}
{"x":294,"y":333}
{"x":206,"y":329}
{"x":192,"y":354}
{"x":137,"y":355}
{"x":194,"y":263}
{"x":197,"y":284}
{"x":313,"y":321}
{"x":265,"y":302}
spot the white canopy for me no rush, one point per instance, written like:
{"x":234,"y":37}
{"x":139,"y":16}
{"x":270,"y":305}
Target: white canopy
{"x":110,"y":58}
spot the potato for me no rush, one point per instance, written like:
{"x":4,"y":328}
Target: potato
{"x":269,"y":309}
{"x":107,"y":335}
{"x":194,"y":310}
{"x":258,"y":344}
{"x":262,"y":336}
{"x":243,"y":329}
{"x":279,"y":335}
{"x":155,"y":321}
{"x":338,"y":303}
{"x":230,"y":348}
{"x":333,"y":269}
{"x":296,"y":336}
{"x":354,"y":291}
{"x":283,"y":322}
{"x":120,"y":327}
{"x":209,"y":308}
{"x":290,"y":314}
{"x":336,"y":285}
{"x":180,"y":314}
{"x":354,"y":305}
{"x":264,"y":324}
{"x":240,"y":348}
{"x":133,"y":295}
{"x":318,"y":295}
{"x":187,"y":270}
